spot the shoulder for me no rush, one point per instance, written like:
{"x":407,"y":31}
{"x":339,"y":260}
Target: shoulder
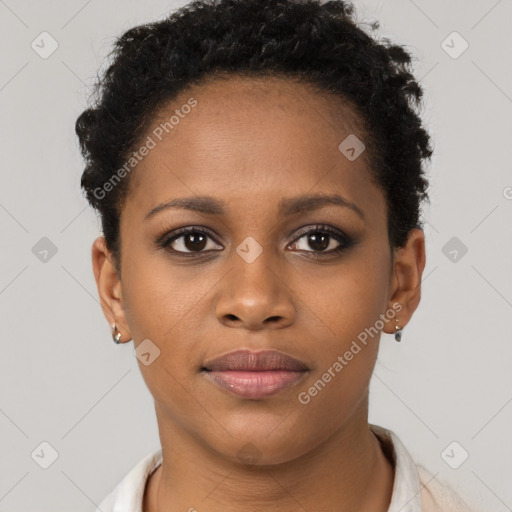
{"x":438,"y":496}
{"x":415,"y":488}
{"x":107,"y":505}
{"x":127,"y":495}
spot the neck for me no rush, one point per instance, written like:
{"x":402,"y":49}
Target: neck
{"x":348,"y":472}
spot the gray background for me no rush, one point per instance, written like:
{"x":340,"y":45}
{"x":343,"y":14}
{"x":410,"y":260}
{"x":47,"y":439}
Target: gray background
{"x":63,"y":381}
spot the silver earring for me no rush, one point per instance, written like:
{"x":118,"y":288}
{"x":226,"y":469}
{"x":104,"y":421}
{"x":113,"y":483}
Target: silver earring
{"x":398,"y":331}
{"x":116,"y":335}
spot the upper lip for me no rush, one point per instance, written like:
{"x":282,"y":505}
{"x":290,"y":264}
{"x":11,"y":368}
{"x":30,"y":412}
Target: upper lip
{"x":256,"y":361}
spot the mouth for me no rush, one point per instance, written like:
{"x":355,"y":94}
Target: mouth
{"x":255,"y":375}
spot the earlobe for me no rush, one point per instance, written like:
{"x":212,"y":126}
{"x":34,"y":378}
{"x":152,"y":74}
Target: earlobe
{"x":408,"y":266}
{"x":109,"y":287}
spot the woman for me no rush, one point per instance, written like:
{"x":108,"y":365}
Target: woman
{"x":258,"y":169}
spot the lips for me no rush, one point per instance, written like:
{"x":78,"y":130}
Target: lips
{"x":255,"y":375}
{"x":265,"y":360}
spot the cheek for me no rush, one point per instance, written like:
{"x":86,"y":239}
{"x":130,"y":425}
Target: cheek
{"x":348,"y":299}
{"x":159,"y":299}
{"x":347,"y":308}
{"x":166,"y":306}
{"x":345,"y":356}
{"x":159,"y":312}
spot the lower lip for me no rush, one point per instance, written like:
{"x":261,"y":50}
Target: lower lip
{"x":255,"y":384}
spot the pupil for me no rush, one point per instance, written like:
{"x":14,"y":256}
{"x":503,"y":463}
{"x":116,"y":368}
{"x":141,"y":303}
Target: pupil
{"x":195,"y":239}
{"x":314,"y":239}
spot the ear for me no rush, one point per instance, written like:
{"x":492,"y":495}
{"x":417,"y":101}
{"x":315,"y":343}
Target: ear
{"x":109,"y":287}
{"x":408,"y":265}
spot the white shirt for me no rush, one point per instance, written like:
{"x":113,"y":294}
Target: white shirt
{"x":414,"y":489}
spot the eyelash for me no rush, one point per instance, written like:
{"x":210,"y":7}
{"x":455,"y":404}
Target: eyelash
{"x":343,"y":239}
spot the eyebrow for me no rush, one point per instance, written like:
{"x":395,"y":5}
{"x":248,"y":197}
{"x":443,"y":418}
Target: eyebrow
{"x":287,"y":207}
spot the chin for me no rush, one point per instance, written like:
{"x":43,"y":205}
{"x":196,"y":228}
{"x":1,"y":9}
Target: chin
{"x":260,"y":443}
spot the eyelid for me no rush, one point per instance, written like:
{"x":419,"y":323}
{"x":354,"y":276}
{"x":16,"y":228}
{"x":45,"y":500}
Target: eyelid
{"x":169,"y":236}
{"x":322,"y":228}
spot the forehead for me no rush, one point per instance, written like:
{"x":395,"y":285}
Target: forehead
{"x":254,"y":140}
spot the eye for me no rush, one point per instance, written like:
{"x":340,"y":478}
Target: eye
{"x":323,"y":240}
{"x":189,"y":240}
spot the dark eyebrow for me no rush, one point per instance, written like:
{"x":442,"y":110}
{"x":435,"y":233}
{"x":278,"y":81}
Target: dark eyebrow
{"x":287,"y":207}
{"x":303,"y":204}
{"x":203,"y":204}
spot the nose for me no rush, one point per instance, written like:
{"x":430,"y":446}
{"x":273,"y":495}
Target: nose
{"x":255,"y":296}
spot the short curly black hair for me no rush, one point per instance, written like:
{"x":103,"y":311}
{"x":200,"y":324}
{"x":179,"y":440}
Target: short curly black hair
{"x":318,"y":43}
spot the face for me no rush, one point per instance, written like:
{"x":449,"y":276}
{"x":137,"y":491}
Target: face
{"x":259,"y":267}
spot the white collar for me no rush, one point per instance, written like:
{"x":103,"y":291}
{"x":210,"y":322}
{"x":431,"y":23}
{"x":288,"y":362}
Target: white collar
{"x":406,"y":497}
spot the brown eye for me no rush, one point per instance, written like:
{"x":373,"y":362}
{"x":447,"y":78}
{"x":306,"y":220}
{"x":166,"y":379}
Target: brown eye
{"x":190,"y":240}
{"x":322,"y":240}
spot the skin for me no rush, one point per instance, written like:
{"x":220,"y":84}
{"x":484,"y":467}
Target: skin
{"x":251,"y":143}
